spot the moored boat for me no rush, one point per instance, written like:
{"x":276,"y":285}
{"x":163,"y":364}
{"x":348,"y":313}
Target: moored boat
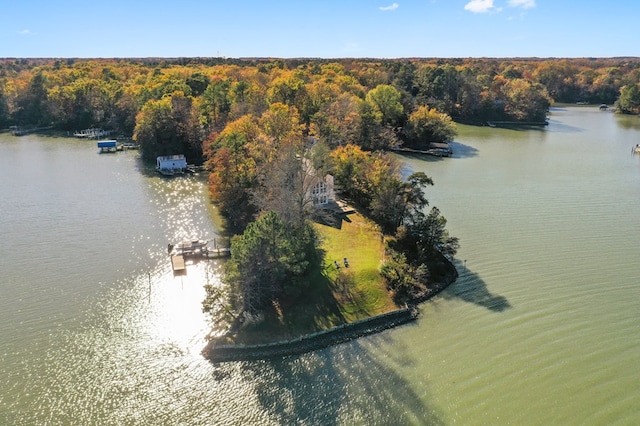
{"x":186,"y":248}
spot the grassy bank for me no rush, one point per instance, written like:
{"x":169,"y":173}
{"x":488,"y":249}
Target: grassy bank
{"x":358,"y":287}
{"x":333,"y":295}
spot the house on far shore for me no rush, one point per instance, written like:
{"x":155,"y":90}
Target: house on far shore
{"x":170,"y":165}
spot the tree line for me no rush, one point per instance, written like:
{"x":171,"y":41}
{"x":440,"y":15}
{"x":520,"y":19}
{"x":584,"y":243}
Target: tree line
{"x":172,"y":105}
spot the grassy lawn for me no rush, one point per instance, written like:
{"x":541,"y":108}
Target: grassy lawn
{"x":334,"y":295}
{"x":358,"y":288}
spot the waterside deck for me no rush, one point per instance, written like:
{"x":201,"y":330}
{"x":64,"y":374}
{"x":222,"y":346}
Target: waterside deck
{"x":193,"y":250}
{"x":93,"y":133}
{"x":517,"y":123}
{"x":178,"y":265}
{"x":436,"y":149}
{"x":21,"y":131}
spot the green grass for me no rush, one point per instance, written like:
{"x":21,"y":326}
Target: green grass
{"x":331,"y":296}
{"x":359,"y":288}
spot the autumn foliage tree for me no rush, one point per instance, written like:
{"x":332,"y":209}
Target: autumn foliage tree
{"x":233,"y":171}
{"x":429,"y":125}
{"x":359,"y":101}
{"x":385,"y":102}
{"x":169,"y":126}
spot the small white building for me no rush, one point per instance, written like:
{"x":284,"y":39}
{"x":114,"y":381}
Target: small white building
{"x":171,"y":164}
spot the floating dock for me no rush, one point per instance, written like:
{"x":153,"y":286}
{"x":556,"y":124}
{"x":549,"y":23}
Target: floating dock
{"x":178,"y":265}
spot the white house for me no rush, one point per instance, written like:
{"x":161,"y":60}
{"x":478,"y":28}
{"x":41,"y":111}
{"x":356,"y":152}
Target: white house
{"x":322,"y":191}
{"x":319,"y":190}
{"x":171,"y":164}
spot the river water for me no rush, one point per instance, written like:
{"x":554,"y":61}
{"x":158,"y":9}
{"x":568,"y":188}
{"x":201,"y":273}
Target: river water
{"x":541,"y":327}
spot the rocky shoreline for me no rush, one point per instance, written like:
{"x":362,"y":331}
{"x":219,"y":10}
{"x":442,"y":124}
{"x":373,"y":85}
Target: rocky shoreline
{"x":215,"y":351}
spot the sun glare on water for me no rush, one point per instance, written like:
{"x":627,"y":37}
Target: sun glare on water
{"x":176,"y":306}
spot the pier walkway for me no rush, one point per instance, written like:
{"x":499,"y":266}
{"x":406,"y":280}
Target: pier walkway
{"x":193,"y":250}
{"x":92,"y":133}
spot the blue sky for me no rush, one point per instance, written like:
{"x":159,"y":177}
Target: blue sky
{"x":320,"y":28}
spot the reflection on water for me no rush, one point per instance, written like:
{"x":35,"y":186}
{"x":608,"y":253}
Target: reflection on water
{"x":139,"y":347}
{"x":540,"y":328}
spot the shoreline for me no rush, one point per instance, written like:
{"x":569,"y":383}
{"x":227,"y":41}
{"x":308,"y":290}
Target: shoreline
{"x":215,"y":352}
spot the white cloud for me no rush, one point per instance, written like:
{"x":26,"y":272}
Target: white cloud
{"x":394,"y":6}
{"x":525,"y":4}
{"x":480,"y":6}
{"x":25,"y":32}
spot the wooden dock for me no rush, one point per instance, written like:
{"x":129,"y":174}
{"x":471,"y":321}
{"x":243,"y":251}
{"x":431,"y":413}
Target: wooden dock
{"x":193,"y":251}
{"x":21,"y":131}
{"x":217,"y":253}
{"x":178,"y":265}
{"x":93,"y":133}
{"x":434,"y":149}
{"x":517,"y":123}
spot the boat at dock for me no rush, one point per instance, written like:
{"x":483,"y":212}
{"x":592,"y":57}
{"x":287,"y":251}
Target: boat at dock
{"x":188,"y":248}
{"x":115,"y":146}
{"x":129,"y":145}
{"x":197,"y":248}
{"x":194,"y":250}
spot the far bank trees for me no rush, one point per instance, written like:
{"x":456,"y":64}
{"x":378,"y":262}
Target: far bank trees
{"x":169,"y":126}
{"x":366,"y":102}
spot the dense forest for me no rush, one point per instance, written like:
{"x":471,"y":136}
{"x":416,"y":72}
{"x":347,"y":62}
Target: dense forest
{"x":173,"y":105}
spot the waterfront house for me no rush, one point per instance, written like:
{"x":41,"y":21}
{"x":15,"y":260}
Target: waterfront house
{"x":171,"y":164}
{"x":319,"y":190}
{"x":322,"y":191}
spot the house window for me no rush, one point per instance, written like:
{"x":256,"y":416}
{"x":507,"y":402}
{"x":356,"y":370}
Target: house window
{"x":319,"y":188}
